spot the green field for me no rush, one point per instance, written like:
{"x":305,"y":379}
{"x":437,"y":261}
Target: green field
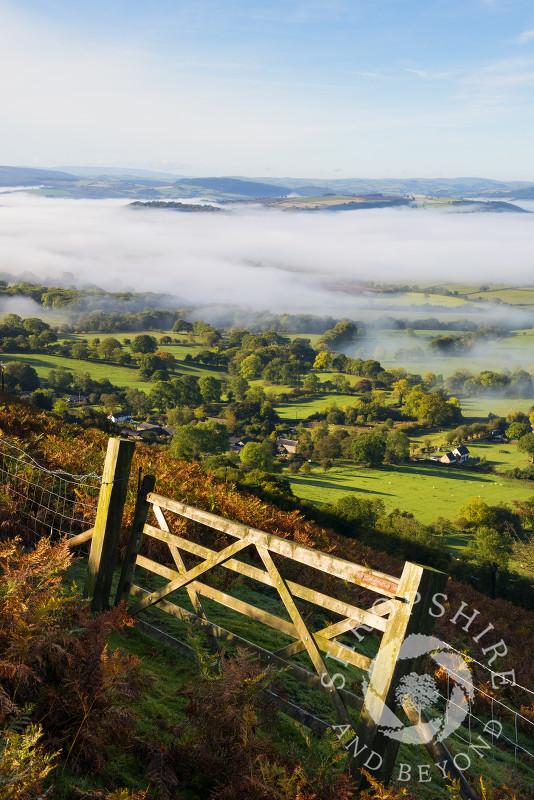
{"x":427,"y":491}
{"x":296,"y":412}
{"x":479,"y":407}
{"x":124,"y":377}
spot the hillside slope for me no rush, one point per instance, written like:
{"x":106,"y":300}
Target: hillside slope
{"x":59,"y":445}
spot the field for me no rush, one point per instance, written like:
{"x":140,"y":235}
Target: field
{"x":124,"y":377}
{"x":428,"y":492}
{"x":296,"y":412}
{"x":120,"y":376}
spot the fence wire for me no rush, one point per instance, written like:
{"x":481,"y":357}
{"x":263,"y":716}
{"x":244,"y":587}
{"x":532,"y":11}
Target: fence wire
{"x":507,"y":736}
{"x":44,"y":503}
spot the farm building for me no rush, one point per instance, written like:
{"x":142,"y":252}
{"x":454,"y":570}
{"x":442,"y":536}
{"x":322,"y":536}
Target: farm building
{"x":286,"y":446}
{"x":461,"y":452}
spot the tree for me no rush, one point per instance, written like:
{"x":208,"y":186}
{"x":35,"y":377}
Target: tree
{"x":361,"y":511}
{"x":137,"y":403}
{"x":179,"y":416}
{"x":492,"y":550}
{"x":60,"y":379}
{"x":238,"y":386}
{"x":35,"y":325}
{"x":369,"y":449}
{"x":167,"y":359}
{"x":162,"y":396}
{"x":526,"y":444}
{"x":399,"y":389}
{"x":210,"y":389}
{"x":256,"y":394}
{"x":187,"y":391}
{"x":16,"y":373}
{"x":322,"y":361}
{"x":190,"y":442}
{"x":518,"y":430}
{"x":327,"y":447}
{"x":42,"y":398}
{"x":107,"y":347}
{"x":60,"y":408}
{"x":79,"y":350}
{"x":476,"y":513}
{"x":256,"y":456}
{"x":311,"y":383}
{"x":149,"y":364}
{"x":251,"y":367}
{"x":143,"y":343}
{"x":397,"y":447}
{"x":182,"y":326}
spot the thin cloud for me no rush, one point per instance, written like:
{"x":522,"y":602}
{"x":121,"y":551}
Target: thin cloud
{"x":525,"y":37}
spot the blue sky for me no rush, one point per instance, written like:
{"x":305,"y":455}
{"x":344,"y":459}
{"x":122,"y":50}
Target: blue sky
{"x":310,"y":88}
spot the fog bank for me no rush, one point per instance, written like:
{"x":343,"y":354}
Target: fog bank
{"x":262,"y":258}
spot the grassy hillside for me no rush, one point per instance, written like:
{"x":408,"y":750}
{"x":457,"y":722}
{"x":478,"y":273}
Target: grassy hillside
{"x":62,"y":446}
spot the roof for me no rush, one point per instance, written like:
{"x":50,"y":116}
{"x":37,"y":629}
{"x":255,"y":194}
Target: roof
{"x":159,"y":430}
{"x":462,"y":449}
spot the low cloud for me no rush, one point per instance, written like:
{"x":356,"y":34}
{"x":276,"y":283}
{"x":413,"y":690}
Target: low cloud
{"x":261,"y":258}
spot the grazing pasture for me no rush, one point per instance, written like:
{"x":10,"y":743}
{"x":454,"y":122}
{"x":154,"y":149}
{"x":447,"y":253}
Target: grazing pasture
{"x":427,"y":491}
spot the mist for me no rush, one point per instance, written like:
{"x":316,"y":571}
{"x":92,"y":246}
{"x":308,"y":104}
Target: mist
{"x":263,"y":259}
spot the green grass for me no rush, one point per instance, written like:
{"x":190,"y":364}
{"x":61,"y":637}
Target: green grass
{"x":427,"y":491}
{"x":479,"y":407}
{"x":298,"y":411}
{"x":120,"y":376}
{"x":124,"y":377}
{"x":160,"y":706}
{"x":419,"y":299}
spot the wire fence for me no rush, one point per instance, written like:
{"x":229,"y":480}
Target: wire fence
{"x":40,"y":502}
{"x":511,"y":748}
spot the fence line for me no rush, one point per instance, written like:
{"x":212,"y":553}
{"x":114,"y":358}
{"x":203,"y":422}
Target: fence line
{"x":509,"y":743}
{"x":43,"y":502}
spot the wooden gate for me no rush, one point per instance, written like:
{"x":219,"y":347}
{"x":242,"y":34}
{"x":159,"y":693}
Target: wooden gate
{"x":401,"y":608}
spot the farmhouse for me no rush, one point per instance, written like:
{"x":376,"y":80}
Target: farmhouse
{"x":158,"y":430}
{"x":237,"y":443}
{"x":286,"y":446}
{"x":448,"y":458}
{"x":461,"y":452}
{"x":120,"y":416}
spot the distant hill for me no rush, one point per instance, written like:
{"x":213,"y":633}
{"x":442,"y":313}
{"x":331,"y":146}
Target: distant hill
{"x":121,"y":173}
{"x":489,"y":206}
{"x":28,"y":176}
{"x":402,"y":187}
{"x":526,"y":193}
{"x":234,"y":186}
{"x":102,"y":182}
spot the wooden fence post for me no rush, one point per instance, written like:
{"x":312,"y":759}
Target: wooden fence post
{"x":142,"y":508}
{"x":410,"y":615}
{"x":105,"y":541}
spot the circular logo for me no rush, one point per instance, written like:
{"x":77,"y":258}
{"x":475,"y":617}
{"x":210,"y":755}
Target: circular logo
{"x":421,"y":692}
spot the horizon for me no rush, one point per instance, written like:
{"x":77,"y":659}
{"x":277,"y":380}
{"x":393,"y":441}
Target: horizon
{"x":242,"y":176}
